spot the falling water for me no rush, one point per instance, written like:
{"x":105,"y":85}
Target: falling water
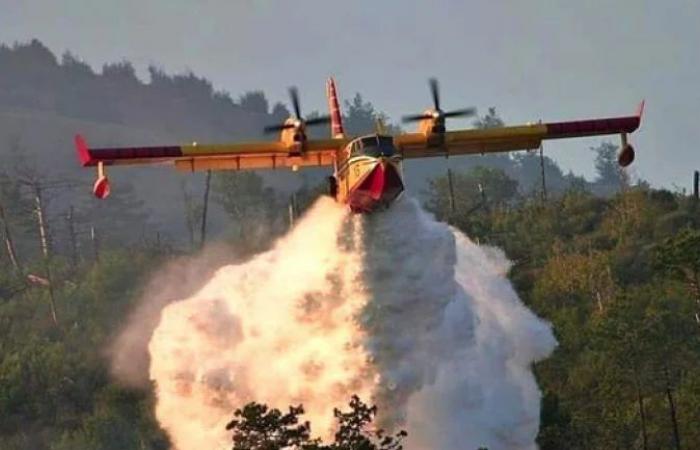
{"x":395,"y":307}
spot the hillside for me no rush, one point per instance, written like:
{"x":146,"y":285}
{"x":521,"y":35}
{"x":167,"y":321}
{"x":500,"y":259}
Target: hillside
{"x":44,"y":102}
{"x":613,"y":265}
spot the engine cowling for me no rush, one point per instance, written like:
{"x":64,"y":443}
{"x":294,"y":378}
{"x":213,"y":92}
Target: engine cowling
{"x":626,"y":155}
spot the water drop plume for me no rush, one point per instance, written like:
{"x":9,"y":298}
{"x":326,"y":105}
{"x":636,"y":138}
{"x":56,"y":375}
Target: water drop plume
{"x":395,"y":307}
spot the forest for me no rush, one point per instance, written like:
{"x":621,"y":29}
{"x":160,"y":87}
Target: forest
{"x":613,"y":263}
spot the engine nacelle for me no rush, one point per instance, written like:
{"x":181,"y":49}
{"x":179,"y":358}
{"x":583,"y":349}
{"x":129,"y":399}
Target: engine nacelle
{"x":626,"y":155}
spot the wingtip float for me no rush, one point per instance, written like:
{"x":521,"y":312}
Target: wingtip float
{"x":367,"y":171}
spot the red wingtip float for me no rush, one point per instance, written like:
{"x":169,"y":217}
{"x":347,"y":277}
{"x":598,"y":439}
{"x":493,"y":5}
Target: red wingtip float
{"x":367,"y":172}
{"x":101,"y":188}
{"x":627,"y":153}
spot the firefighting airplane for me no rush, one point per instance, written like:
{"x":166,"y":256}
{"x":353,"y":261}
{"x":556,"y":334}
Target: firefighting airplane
{"x":367,"y":171}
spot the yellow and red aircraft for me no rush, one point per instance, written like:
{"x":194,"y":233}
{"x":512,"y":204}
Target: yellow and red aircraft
{"x":367,"y":171}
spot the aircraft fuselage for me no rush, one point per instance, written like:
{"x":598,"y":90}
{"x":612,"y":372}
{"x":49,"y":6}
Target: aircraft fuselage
{"x":368,"y":176}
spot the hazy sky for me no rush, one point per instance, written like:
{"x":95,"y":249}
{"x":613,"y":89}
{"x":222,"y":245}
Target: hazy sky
{"x":536,"y":59}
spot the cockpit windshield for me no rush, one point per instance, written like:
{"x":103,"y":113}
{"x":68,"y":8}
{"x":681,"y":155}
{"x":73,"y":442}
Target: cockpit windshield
{"x":374,"y":146}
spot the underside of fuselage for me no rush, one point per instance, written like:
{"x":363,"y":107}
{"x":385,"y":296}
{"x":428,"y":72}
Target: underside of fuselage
{"x":376,"y":184}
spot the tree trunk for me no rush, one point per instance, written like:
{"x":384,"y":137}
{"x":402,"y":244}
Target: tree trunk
{"x":190,"y":219}
{"x":544,"y":181}
{"x":292,"y":213}
{"x":45,"y":243}
{"x":52,"y":298}
{"x":95,"y":244}
{"x":44,"y":238}
{"x":205,"y":208}
{"x":695,"y":288}
{"x":642,"y":414}
{"x":72,"y":237}
{"x":450,"y":185}
{"x":672,"y":410}
{"x":9,"y":243}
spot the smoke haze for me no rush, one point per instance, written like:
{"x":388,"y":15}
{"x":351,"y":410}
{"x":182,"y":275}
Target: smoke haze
{"x":394,"y":307}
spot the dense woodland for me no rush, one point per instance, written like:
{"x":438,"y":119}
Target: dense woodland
{"x":613,"y":263}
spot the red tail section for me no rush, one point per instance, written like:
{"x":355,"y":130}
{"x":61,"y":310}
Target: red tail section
{"x":334,"y":109}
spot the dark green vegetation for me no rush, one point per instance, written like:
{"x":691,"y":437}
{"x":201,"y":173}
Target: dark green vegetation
{"x":613,"y":266}
{"x":256,"y":427}
{"x":618,"y":279}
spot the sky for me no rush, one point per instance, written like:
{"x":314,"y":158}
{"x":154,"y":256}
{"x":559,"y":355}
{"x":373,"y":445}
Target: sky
{"x":547,"y":60}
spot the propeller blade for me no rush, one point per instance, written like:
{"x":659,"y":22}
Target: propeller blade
{"x":465,"y":112}
{"x":275,"y":128}
{"x":294,"y":97}
{"x":435,"y":92}
{"x":318,"y":120}
{"x":415,"y":117}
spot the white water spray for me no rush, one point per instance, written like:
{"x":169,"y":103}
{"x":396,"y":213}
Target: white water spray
{"x":395,"y":307}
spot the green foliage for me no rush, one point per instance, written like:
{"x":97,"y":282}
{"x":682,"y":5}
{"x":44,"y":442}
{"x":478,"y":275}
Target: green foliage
{"x":257,"y":427}
{"x":254,"y":210}
{"x":610,"y":177}
{"x":617,"y":278}
{"x":362,"y":118}
{"x":489,"y":120}
{"x":613,"y":267}
{"x":55,"y":392}
{"x":679,"y":256}
{"x":254,"y":101}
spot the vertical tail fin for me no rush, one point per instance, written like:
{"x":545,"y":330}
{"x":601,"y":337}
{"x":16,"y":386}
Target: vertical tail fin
{"x":334,"y":109}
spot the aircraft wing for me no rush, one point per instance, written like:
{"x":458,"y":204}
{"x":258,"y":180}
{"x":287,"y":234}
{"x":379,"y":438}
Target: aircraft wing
{"x":505,"y":139}
{"x":239,"y":156}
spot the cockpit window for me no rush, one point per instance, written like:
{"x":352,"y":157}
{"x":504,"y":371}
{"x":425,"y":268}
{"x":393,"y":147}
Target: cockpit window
{"x":374,"y":146}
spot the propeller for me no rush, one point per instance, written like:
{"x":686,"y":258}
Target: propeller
{"x":298,"y":122}
{"x":437,"y":114}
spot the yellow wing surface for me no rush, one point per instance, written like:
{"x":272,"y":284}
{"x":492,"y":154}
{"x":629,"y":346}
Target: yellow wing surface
{"x":504,"y":139}
{"x":251,"y":155}
{"x":325,"y":152}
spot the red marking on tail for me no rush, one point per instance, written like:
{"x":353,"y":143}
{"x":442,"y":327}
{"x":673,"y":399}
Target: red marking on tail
{"x":334,"y":109}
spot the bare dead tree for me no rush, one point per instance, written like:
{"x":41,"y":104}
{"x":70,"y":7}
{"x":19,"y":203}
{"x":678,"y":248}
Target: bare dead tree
{"x":9,"y":243}
{"x":36,"y":188}
{"x":94,"y":239}
{"x":292,"y":210}
{"x":542,"y":174}
{"x":205,"y":209}
{"x":672,"y":408}
{"x":640,"y":406}
{"x":450,"y":185}
{"x":191,"y":214}
{"x":72,"y":237}
{"x":42,"y":224}
{"x":37,"y":185}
